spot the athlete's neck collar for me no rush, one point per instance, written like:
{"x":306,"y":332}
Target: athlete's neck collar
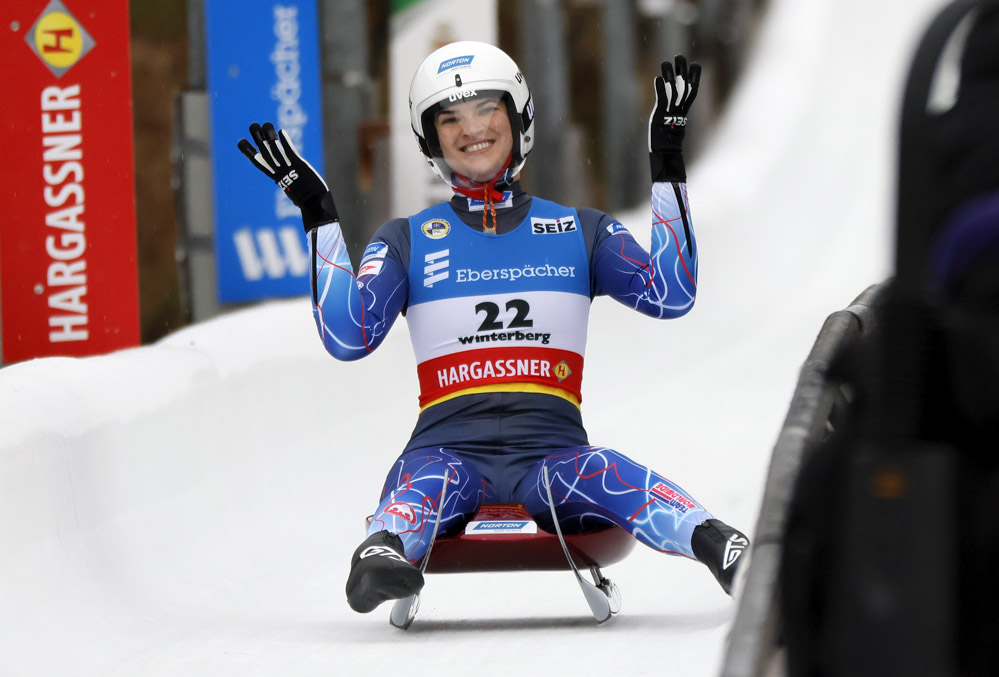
{"x":510,"y":197}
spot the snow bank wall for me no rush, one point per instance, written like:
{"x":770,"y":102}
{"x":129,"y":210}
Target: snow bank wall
{"x":138,"y":483}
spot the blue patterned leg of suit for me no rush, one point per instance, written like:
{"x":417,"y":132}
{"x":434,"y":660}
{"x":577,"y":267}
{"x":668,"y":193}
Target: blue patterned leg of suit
{"x":596,"y":485}
{"x":411,"y":495}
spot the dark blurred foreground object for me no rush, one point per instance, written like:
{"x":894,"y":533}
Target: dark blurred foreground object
{"x":892,"y":544}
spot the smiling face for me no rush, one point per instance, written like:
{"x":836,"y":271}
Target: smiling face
{"x":475,"y":136}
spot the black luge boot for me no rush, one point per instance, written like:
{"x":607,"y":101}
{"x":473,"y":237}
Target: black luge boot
{"x":720,"y":547}
{"x":379,"y":571}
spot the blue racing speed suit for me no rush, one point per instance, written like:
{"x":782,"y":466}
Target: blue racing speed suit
{"x":498,"y":324}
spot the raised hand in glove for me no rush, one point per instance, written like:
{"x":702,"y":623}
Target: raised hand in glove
{"x":675,"y":92}
{"x":275,"y":155}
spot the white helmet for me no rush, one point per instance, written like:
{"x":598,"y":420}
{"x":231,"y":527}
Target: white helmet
{"x":447,"y":75}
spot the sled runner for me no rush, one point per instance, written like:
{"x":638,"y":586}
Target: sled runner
{"x":504,"y":537}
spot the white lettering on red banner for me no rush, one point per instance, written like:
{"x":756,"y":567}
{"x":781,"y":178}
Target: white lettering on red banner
{"x":66,"y":238}
{"x":493,"y":369}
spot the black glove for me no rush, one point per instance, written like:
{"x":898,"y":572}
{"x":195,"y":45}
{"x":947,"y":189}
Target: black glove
{"x":674,"y":95}
{"x":279,"y":160}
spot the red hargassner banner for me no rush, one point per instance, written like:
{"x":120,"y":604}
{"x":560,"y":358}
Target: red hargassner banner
{"x":68,"y":273}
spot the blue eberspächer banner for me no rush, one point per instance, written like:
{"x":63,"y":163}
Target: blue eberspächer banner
{"x":262,"y":65}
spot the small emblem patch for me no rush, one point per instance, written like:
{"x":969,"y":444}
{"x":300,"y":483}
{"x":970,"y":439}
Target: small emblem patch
{"x":455,"y":62}
{"x":403,"y":510}
{"x":435,"y":229}
{"x":372,"y":260}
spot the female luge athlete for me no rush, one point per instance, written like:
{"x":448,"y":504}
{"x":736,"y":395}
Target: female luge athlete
{"x":496,"y":285}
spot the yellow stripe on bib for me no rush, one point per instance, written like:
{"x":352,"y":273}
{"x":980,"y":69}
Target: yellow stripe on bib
{"x":507,"y":388}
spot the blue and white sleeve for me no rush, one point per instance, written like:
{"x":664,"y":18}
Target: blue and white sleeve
{"x":354,"y":313}
{"x":663,"y":283}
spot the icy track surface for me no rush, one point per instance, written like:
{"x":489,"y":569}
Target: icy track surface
{"x":189,"y":508}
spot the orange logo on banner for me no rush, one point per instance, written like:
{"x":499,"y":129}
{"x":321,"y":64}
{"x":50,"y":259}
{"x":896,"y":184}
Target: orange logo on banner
{"x":58,"y":39}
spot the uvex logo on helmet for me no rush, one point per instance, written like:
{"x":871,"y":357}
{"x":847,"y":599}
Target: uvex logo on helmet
{"x":463,"y":94}
{"x":454,"y":62}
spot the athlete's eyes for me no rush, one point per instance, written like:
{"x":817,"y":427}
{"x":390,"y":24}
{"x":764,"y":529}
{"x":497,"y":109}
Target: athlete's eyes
{"x":482,"y":109}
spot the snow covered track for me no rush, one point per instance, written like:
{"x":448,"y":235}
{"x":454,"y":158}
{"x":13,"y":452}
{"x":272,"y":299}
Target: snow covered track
{"x":131,"y":484}
{"x":189,"y":508}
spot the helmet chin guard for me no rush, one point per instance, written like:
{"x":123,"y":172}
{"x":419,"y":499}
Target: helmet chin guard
{"x":462,"y":70}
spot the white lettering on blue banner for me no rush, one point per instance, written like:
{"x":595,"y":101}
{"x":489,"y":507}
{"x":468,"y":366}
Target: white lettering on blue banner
{"x":266,"y":253}
{"x":287,"y":91}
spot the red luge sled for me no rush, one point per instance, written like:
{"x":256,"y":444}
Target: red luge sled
{"x":504,"y":537}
